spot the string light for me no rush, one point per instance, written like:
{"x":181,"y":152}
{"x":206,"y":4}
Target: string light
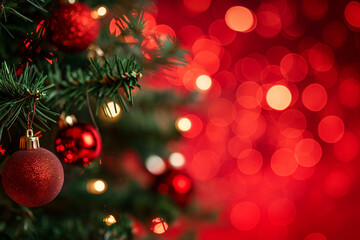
{"x":155,"y":164}
{"x":159,"y":226}
{"x":96,"y":186}
{"x":203,"y":82}
{"x":102,"y":11}
{"x":109,"y":220}
{"x":177,"y":160}
{"x":112,"y":110}
{"x":70,"y":120}
{"x":183,"y":124}
{"x":278,"y":97}
{"x":99,"y":12}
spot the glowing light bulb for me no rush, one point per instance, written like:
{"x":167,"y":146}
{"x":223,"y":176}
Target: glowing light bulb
{"x":102,"y":11}
{"x":155,"y":164}
{"x":109,"y":220}
{"x":159,"y":226}
{"x":112,"y":110}
{"x":183,"y":124}
{"x":99,"y":186}
{"x":278,"y":97}
{"x":70,"y":120}
{"x":71,"y":1}
{"x":96,"y":186}
{"x":177,"y":160}
{"x":203,"y":82}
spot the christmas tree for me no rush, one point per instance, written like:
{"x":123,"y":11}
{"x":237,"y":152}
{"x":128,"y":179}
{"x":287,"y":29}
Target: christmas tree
{"x":179,"y":120}
{"x":68,"y":71}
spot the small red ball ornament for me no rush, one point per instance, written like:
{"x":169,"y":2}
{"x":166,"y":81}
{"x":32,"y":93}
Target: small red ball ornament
{"x":32,"y":176}
{"x":72,"y":28}
{"x":178,"y":185}
{"x":78,"y":143}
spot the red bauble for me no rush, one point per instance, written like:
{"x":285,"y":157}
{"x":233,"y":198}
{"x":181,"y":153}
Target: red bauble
{"x":72,"y":28}
{"x":178,"y":185}
{"x":33,"y":177}
{"x":78,"y":144}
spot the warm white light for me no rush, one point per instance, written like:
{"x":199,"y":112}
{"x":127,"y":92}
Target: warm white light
{"x":99,"y":52}
{"x":203,"y":82}
{"x":111,"y":110}
{"x":102,"y":11}
{"x":96,"y":186}
{"x":278,"y":97}
{"x":177,"y":160}
{"x":155,"y":164}
{"x":99,"y":186}
{"x":71,"y":1}
{"x":109,"y":220}
{"x":183,"y":124}
{"x":69,"y":120}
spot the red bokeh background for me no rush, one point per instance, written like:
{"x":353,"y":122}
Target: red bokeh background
{"x":274,"y":141}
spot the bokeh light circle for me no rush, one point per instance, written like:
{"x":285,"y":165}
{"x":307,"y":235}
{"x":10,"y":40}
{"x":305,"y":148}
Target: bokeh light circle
{"x":308,"y":152}
{"x":294,"y":67}
{"x":278,"y":97}
{"x":203,"y":82}
{"x":220,"y":31}
{"x":314,"y":97}
{"x":268,"y":25}
{"x":238,"y":144}
{"x":292,"y":123}
{"x":240,"y":19}
{"x":283,"y":162}
{"x":249,"y":94}
{"x":351,"y":13}
{"x":183,"y":124}
{"x":315,"y":9}
{"x":321,"y":57}
{"x":315,"y":236}
{"x":197,"y":6}
{"x":250,"y":161}
{"x":204,"y":170}
{"x":331,"y":129}
{"x":221,"y":112}
{"x":245,"y":216}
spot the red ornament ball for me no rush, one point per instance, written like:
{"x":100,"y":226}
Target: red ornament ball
{"x":178,"y":185}
{"x":33,"y":177}
{"x":72,"y":28}
{"x":78,"y":144}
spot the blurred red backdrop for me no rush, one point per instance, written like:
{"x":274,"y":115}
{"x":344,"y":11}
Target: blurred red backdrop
{"x":273,"y":144}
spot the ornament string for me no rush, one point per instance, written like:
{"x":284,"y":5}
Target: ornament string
{"x":29,"y":124}
{"x":90,"y":111}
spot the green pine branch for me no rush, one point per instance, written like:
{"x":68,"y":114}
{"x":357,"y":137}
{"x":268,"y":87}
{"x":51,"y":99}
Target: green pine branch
{"x":131,"y":24}
{"x":20,"y":95}
{"x":103,"y":81}
{"x":167,"y":54}
{"x":15,"y":7}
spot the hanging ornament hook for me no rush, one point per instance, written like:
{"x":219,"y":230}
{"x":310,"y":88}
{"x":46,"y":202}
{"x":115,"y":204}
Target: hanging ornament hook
{"x":29,"y":141}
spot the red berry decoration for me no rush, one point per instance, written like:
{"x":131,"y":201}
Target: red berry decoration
{"x":178,"y":185}
{"x":78,"y":144}
{"x":32,"y":176}
{"x":72,"y":27}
